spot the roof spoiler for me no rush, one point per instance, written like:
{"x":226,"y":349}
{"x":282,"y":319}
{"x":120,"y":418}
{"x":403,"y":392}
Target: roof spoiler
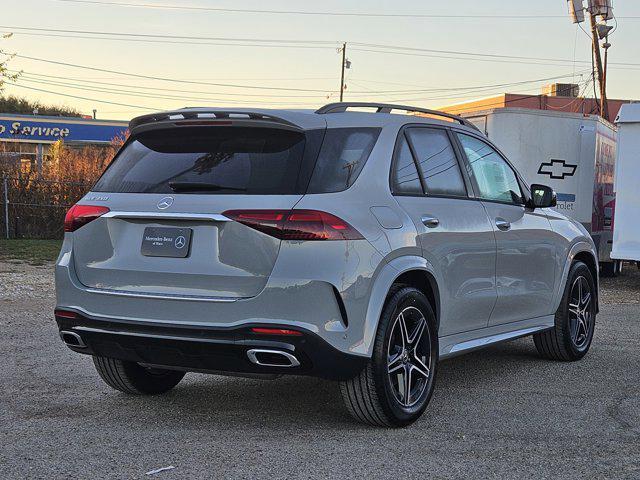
{"x":340,"y":107}
{"x":190,"y":117}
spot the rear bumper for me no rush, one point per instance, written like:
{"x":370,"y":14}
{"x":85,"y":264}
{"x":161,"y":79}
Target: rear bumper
{"x":207,"y":349}
{"x":330,"y":304}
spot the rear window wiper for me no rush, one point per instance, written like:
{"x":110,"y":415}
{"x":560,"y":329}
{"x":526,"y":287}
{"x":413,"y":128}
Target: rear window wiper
{"x":201,"y":187}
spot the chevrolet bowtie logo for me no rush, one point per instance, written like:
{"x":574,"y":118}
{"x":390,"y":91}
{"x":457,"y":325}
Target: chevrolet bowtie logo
{"x":557,"y":169}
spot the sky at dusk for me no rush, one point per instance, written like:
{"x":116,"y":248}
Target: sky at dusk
{"x":419,"y":54}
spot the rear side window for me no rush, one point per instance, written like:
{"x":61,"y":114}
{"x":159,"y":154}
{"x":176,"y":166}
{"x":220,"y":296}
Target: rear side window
{"x":437,"y":162}
{"x":343,"y":154}
{"x":405,"y":179}
{"x":212,"y":160}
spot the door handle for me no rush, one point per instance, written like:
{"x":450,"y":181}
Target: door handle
{"x":430,"y":222}
{"x":502,"y":224}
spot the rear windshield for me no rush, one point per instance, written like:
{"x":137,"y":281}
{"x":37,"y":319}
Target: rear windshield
{"x":239,"y":160}
{"x":219,"y":160}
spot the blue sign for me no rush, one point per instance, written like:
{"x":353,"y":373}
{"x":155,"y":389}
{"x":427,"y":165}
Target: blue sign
{"x":51,"y":129}
{"x":566,"y":197}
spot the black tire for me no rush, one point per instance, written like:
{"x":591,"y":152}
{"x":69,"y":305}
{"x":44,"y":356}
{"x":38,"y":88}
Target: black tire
{"x":564,"y":341}
{"x":134,"y":379}
{"x":373,"y":395}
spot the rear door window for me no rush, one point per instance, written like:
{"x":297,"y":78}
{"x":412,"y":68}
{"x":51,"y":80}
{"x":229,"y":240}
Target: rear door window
{"x":437,"y":161}
{"x":343,"y":154}
{"x":212,"y":160}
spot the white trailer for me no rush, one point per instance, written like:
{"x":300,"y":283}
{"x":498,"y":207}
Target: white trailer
{"x":572,"y":153}
{"x":626,"y":236}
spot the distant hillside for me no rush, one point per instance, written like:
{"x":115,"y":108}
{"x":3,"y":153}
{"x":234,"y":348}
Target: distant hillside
{"x":11,"y":104}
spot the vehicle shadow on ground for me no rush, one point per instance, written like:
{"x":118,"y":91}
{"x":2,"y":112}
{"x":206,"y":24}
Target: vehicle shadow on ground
{"x":229,"y":403}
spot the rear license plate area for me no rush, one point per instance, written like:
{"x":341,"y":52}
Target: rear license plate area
{"x":166,"y":242}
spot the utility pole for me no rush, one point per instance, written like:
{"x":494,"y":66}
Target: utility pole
{"x":343,"y":65}
{"x":604,"y":110}
{"x":599,"y":31}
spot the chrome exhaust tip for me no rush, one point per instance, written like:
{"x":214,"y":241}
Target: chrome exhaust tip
{"x":72,"y":339}
{"x":272,"y":358}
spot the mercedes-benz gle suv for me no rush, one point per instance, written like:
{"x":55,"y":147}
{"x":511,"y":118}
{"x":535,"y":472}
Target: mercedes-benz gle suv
{"x":351,"y":243}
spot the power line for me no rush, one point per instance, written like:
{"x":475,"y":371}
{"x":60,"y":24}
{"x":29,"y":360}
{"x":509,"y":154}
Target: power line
{"x":314,"y":13}
{"x":499,"y":103}
{"x":129,"y":93}
{"x":466,"y":89}
{"x":111,"y":91}
{"x":479,"y":88}
{"x":469,"y":94}
{"x":171,"y":42}
{"x":495,"y":85}
{"x":471,"y":56}
{"x":140,"y":87}
{"x":455,"y":52}
{"x":83,"y":98}
{"x":267,"y":79}
{"x":466,"y":59}
{"x":174,"y":37}
{"x":482,"y":57}
{"x":164,"y":79}
{"x":283,"y":43}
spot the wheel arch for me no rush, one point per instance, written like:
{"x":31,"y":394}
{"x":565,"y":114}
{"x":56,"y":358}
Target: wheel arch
{"x":584,"y":252}
{"x":590,"y":261}
{"x":411,"y":270}
{"x":424,"y":281}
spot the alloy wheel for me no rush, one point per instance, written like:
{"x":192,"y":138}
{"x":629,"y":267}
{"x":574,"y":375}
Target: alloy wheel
{"x":409,"y":356}
{"x":580,"y":312}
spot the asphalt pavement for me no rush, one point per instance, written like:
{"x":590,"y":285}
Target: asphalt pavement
{"x":497,"y":413}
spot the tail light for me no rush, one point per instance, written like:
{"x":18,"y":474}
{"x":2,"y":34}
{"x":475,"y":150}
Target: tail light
{"x":296,"y":224}
{"x":80,"y":215}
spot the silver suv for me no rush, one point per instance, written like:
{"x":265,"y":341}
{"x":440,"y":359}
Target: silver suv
{"x":351,"y":243}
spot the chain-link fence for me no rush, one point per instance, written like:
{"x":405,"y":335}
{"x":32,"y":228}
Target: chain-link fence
{"x":35,"y":208}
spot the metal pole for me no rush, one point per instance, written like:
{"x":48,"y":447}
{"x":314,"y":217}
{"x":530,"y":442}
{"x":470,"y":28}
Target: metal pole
{"x":604,"y":72}
{"x":344,"y":59}
{"x":39,"y":158}
{"x":6,"y":206}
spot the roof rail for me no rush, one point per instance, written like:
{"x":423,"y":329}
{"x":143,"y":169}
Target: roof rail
{"x":340,"y":107}
{"x":187,"y":114}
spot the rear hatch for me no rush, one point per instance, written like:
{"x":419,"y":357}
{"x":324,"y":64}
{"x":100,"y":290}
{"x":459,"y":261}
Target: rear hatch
{"x":167,"y":190}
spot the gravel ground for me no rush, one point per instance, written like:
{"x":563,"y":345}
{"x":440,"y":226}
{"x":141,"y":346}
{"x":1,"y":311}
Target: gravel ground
{"x":497,"y":413}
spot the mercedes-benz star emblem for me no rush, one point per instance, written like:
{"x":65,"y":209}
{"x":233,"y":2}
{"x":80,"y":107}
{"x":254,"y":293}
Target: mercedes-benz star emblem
{"x":180,"y":242}
{"x":166,"y":202}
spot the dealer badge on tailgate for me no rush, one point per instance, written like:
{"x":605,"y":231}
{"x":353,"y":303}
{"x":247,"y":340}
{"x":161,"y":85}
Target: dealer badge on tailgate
{"x":166,"y":242}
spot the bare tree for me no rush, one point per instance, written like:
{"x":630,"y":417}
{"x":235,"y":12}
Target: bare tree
{"x":5,"y":58}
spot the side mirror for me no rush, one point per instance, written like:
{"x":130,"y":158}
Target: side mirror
{"x":543,"y":196}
